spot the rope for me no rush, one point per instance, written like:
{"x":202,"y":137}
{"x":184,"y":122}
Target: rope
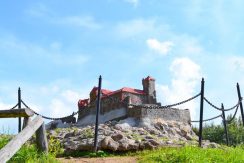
{"x":154,"y":107}
{"x":49,"y":118}
{"x":233,"y":107}
{"x":233,"y":117}
{"x":220,"y":109}
{"x":14,"y":107}
{"x":205,"y":120}
{"x":182,"y":102}
{"x":211,"y":104}
{"x":166,"y":106}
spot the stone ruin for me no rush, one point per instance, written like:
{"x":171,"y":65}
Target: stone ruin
{"x":114,"y":105}
{"x":123,"y":128}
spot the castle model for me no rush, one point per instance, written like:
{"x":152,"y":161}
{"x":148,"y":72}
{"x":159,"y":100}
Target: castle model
{"x":114,"y":105}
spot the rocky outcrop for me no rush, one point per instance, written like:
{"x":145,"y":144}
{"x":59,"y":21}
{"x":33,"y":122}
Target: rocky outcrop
{"x":128,"y":135}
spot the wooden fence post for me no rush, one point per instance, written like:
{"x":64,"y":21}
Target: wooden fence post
{"x":16,"y":113}
{"x":41,"y":138}
{"x":240,"y":99}
{"x":225,"y":125}
{"x":201,"y":112}
{"x":97,"y":112}
{"x":26,"y":122}
{"x":15,"y":144}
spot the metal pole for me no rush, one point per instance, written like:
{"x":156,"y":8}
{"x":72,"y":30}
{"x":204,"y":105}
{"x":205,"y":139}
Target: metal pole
{"x":240,"y":99}
{"x":225,"y":126}
{"x":97,"y":112}
{"x":201,"y":112}
{"x":19,"y":107}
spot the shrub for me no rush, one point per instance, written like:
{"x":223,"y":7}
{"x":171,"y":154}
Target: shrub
{"x":54,"y":146}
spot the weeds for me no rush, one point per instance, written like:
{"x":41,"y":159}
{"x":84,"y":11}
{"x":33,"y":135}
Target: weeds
{"x":27,"y":153}
{"x":55,"y":147}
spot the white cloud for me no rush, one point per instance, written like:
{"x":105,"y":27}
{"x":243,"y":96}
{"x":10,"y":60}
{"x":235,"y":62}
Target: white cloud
{"x":186,"y":69}
{"x":162,"y":48}
{"x":71,"y":96}
{"x":186,"y":75}
{"x":133,"y":2}
{"x":11,"y":45}
{"x":38,"y":10}
{"x":65,"y":102}
{"x":7,"y":124}
{"x":55,"y":45}
{"x":77,"y":21}
{"x":188,"y":45}
{"x":236,"y":63}
{"x":60,"y":108}
{"x":4,"y":106}
{"x":140,"y":28}
{"x":42,"y":12}
{"x":54,"y":101}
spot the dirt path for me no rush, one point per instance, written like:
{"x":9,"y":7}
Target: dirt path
{"x":100,"y":160}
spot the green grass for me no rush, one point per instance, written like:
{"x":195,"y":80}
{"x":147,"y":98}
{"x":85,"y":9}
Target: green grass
{"x":189,"y":154}
{"x":90,"y":154}
{"x":28,"y":153}
{"x":193,"y":154}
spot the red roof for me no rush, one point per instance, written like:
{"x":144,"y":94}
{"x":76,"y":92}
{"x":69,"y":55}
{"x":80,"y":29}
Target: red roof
{"x":124,"y":89}
{"x":82,"y":103}
{"x":104,"y":91}
{"x":132,"y":90}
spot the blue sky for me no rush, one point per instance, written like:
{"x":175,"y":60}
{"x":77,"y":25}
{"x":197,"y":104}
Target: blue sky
{"x":55,"y":51}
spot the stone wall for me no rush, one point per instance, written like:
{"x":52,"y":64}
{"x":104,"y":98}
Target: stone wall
{"x":85,"y":111}
{"x":165,"y":114}
{"x":134,"y":112}
{"x":108,"y":105}
{"x":135,"y":98}
{"x":88,"y":119}
{"x":170,"y":114}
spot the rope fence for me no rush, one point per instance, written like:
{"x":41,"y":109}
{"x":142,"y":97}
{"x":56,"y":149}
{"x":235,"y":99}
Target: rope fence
{"x":115,"y":100}
{"x":14,"y":107}
{"x":205,"y":120}
{"x":233,"y":117}
{"x":49,"y":118}
{"x":220,"y":109}
{"x":155,"y":106}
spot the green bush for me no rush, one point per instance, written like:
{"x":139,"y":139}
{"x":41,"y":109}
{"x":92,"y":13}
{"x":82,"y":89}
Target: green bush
{"x":216,"y":133}
{"x":55,"y":147}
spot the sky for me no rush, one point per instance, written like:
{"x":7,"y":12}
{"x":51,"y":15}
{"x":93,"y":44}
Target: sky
{"x":56,"y":50}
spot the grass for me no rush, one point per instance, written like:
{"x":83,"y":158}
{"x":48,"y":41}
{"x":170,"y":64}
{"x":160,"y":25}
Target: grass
{"x":193,"y":154}
{"x":90,"y":154}
{"x":28,"y":153}
{"x":188,"y":154}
